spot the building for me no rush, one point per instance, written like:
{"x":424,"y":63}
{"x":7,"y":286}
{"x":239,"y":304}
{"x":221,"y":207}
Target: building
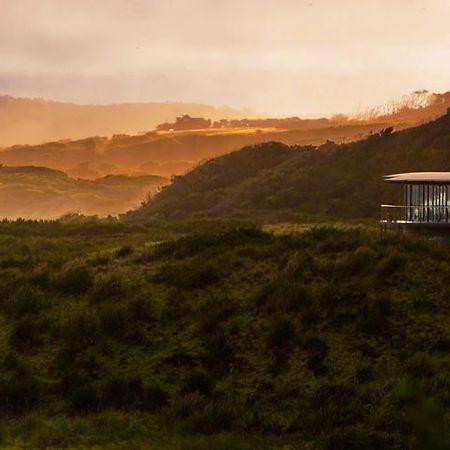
{"x":185,"y":122}
{"x":426,"y":202}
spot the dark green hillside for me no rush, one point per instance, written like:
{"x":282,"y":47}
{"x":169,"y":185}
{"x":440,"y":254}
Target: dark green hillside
{"x":326,"y":340}
{"x":272,"y":180}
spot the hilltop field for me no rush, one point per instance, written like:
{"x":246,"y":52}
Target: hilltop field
{"x":118,"y":336}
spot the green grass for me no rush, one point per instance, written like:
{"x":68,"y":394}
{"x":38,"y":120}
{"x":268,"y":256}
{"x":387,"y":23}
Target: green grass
{"x":236,"y":338}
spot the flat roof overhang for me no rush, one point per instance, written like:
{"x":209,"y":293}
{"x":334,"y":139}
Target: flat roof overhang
{"x":419,"y":178}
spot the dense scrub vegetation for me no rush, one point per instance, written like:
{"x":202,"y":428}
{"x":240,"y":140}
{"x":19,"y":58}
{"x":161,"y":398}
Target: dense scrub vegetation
{"x":273,"y":181}
{"x":236,"y":339}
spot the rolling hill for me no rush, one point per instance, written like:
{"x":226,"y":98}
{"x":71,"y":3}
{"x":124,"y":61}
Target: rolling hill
{"x":174,"y":153}
{"x":162,"y":153}
{"x":42,"y":193}
{"x":33,"y":121}
{"x":273,"y":180}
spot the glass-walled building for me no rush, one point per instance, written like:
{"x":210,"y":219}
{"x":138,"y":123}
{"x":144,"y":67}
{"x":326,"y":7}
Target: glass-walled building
{"x":426,"y":198}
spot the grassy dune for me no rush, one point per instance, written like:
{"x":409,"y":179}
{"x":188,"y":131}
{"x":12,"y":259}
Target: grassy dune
{"x":122,"y":337}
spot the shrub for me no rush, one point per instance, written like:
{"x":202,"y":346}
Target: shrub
{"x":337,"y":405}
{"x":122,"y":392}
{"x":198,"y":381}
{"x":374,"y":317}
{"x":216,"y":309}
{"x":114,"y":320}
{"x":196,"y":243}
{"x":355,"y":439}
{"x":141,"y":309}
{"x":213,"y":418}
{"x":40,"y":276}
{"x":19,"y":394}
{"x":389,"y":266}
{"x":25,"y":299}
{"x":281,"y":333}
{"x":193,"y":274}
{"x":26,"y":334}
{"x":107,"y":287}
{"x":75,"y":278}
{"x":284,"y":296}
{"x":85,"y":398}
{"x":80,"y":330}
{"x":419,"y":366}
{"x":153,"y":397}
{"x":298,"y":265}
{"x":364,"y":374}
{"x":218,"y":352}
{"x":179,"y":358}
{"x":176,"y":305}
{"x":317,"y":352}
{"x":360,"y":260}
{"x":124,"y":251}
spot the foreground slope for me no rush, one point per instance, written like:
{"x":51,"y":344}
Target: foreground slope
{"x":327,"y":340}
{"x":271,"y":180}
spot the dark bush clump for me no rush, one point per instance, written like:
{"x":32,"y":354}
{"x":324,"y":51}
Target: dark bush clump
{"x":190,"y":274}
{"x":284,"y":296}
{"x":85,"y":398}
{"x":141,"y":309}
{"x":122,"y":392}
{"x":19,"y":394}
{"x":389,"y":266}
{"x":218,"y":351}
{"x":114,"y":320}
{"x":213,"y":418}
{"x":79,"y":330}
{"x":195,"y":243}
{"x":281,"y":333}
{"x":216,"y":309}
{"x":374,"y":317}
{"x":153,"y":397}
{"x":108,"y":287}
{"x":75,"y":278}
{"x":124,"y":251}
{"x":27,"y":334}
{"x":198,"y":381}
{"x":317,"y":352}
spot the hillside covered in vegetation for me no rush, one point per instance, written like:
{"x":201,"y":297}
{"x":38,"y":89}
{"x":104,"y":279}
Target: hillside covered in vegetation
{"x":166,"y":153}
{"x":43,"y":193}
{"x":237,"y":339}
{"x":273,"y":181}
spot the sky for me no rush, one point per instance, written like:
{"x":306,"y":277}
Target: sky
{"x":279,"y":57}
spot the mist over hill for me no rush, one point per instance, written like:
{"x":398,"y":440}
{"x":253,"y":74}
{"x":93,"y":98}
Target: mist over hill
{"x":165,"y":154}
{"x":168,"y":153}
{"x":34,"y":121}
{"x":273,"y":180}
{"x":41,"y":193}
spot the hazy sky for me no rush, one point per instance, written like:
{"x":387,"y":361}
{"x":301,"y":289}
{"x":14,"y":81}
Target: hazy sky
{"x":276,"y":56}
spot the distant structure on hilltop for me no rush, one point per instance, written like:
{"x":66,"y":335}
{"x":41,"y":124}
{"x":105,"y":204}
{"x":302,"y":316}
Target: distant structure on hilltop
{"x":185,"y":122}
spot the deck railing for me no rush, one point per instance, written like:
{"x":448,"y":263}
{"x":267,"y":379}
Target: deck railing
{"x":415,"y":214}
